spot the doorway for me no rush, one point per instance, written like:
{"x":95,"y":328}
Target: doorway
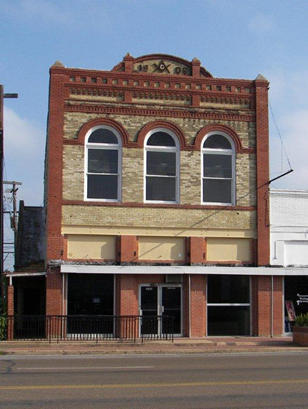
{"x":160,"y":306}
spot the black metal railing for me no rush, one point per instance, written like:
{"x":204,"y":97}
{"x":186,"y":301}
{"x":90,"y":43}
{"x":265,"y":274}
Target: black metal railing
{"x":86,"y":327}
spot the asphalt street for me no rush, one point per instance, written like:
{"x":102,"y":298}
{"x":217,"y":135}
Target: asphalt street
{"x":170,"y":381}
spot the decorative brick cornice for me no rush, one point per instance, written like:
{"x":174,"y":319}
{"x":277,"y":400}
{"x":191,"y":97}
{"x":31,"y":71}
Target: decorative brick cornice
{"x":167,"y":113}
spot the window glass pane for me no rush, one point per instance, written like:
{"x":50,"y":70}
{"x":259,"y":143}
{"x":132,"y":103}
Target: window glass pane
{"x":228,"y":289}
{"x":161,"y":163}
{"x":160,"y":189}
{"x":160,"y":139}
{"x":102,"y":187}
{"x":217,"y":142}
{"x":103,"y":135}
{"x":102,"y":161}
{"x":219,"y":166}
{"x":217,"y":191}
{"x":228,"y":320}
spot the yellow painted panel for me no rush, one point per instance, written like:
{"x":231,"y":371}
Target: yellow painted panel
{"x":91,"y":247}
{"x":220,"y":249}
{"x":161,"y":248}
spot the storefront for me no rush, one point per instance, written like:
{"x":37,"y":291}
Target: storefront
{"x":295,"y":299}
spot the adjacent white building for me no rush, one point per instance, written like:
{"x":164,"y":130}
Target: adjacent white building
{"x":289,"y":246}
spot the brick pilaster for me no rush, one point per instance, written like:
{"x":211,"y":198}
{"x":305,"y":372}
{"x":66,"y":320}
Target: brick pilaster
{"x":197,"y":305}
{"x":262,"y":148}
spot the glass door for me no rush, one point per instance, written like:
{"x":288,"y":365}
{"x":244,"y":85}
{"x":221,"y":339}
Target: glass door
{"x":158,"y":303}
{"x":171,"y":307}
{"x":149,"y":309}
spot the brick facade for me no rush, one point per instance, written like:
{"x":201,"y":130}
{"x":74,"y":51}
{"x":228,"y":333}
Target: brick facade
{"x":136,"y":96}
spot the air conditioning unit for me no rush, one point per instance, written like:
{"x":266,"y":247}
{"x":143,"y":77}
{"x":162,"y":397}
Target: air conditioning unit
{"x":174,"y":278}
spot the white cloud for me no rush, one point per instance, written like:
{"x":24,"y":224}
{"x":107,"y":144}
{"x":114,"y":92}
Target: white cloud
{"x":24,"y":145}
{"x":261,"y":24}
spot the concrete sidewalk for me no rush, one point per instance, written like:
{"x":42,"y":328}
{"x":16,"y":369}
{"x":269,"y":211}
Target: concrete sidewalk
{"x":180,"y":345}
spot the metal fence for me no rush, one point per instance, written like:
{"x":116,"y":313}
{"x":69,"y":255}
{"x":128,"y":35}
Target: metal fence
{"x":86,"y":327}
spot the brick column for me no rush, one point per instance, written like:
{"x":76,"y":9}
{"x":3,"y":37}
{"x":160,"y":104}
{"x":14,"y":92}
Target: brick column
{"x":127,"y":304}
{"x":197,"y":250}
{"x":262,"y":148}
{"x":267,"y":308}
{"x":10,"y":312}
{"x":278,"y":324}
{"x":197,"y":305}
{"x":54,"y":326}
{"x":127,"y":249}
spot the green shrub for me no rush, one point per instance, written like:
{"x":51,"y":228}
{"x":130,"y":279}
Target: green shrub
{"x":3,"y":328}
{"x":301,"y":320}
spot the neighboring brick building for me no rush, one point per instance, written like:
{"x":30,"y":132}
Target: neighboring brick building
{"x":151,"y":195}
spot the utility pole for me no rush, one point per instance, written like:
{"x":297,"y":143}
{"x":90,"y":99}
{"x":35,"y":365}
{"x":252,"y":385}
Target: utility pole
{"x":2,"y":96}
{"x":14,"y":212}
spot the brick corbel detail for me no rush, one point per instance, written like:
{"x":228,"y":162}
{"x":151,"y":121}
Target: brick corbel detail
{"x":196,"y":65}
{"x":128,"y":63}
{"x":127,"y":249}
{"x":197,"y":250}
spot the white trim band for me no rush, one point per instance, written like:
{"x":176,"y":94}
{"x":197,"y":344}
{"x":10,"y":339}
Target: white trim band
{"x":108,"y":269}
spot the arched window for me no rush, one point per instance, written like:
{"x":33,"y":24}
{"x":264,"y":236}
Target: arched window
{"x":161,"y":166}
{"x":102,"y":164}
{"x":218,"y":169}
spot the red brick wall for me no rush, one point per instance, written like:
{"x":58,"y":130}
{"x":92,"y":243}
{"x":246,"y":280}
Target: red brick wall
{"x":54,"y":297}
{"x":197,"y":250}
{"x":127,"y":249}
{"x":10,"y":300}
{"x":262,"y":140}
{"x":10,"y":311}
{"x":198,"y":305}
{"x":262,"y":299}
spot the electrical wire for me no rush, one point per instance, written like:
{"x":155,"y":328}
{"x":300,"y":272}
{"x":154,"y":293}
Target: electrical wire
{"x":283,"y":149}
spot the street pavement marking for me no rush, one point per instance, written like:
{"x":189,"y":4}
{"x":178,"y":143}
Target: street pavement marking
{"x":151,"y":385}
{"x":64,"y":368}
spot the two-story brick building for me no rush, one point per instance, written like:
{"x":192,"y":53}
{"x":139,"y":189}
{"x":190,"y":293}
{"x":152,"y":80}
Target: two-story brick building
{"x":156,"y":195}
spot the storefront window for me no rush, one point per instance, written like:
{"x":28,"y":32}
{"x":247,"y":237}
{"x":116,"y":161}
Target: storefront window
{"x":228,"y":305}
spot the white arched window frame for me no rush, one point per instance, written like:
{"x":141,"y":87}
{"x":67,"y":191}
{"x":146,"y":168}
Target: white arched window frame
{"x":218,"y":169}
{"x":161,"y":168}
{"x":103,"y":158}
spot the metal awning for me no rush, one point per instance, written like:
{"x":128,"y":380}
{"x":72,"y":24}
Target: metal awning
{"x":112,"y":269}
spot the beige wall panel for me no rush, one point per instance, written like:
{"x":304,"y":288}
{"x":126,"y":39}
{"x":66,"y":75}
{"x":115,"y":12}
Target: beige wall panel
{"x":132,"y":175}
{"x":161,"y":248}
{"x":73,"y":172}
{"x":158,"y":218}
{"x":91,"y":247}
{"x":219,"y":249}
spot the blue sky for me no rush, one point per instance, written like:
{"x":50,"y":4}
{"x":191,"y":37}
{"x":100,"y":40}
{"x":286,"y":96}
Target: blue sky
{"x":232,"y":38}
